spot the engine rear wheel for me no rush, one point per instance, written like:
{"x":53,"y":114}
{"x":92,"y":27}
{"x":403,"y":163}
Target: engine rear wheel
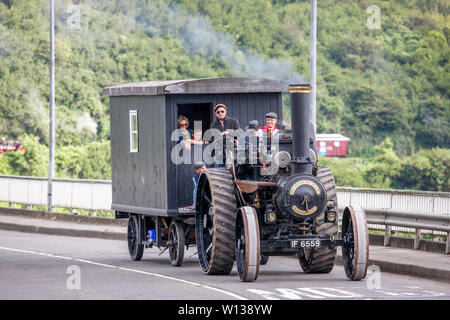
{"x":215,"y":221}
{"x":321,"y":260}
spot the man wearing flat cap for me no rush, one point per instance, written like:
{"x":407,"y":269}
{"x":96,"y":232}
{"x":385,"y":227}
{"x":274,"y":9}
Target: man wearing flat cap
{"x":250,"y":131}
{"x":271,"y":125}
{"x":223,"y":122}
{"x":270,"y":130}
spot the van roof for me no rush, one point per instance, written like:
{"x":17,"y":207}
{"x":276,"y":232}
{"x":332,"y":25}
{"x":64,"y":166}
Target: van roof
{"x":197,"y":86}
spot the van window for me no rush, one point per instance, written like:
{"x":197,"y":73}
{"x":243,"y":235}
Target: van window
{"x":133,"y":131}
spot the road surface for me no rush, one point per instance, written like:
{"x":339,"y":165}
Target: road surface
{"x":37,"y":266}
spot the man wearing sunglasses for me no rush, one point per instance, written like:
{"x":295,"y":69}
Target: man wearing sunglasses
{"x":223,"y":123}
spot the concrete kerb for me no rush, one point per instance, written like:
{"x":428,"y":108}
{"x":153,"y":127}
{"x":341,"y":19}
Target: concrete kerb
{"x":61,"y":216}
{"x":62,"y":231}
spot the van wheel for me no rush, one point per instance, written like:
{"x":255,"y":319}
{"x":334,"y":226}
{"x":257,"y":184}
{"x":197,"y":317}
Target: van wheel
{"x":176,"y":243}
{"x":135,"y":248}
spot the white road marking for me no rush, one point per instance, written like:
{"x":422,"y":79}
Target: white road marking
{"x":338,"y":293}
{"x":410,"y":294}
{"x":295,"y":294}
{"x":414,"y":291}
{"x":330,"y":293}
{"x":225,"y":292}
{"x":388,"y":293}
{"x":17,"y":250}
{"x":231,"y":294}
{"x":61,"y":257}
{"x":96,"y":263}
{"x":317,"y":293}
{"x":265,"y":294}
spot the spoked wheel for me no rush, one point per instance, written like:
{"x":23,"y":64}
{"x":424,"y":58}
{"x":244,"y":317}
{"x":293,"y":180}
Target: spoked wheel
{"x":176,"y":243}
{"x":135,"y":248}
{"x":215,"y":221}
{"x":247,"y":244}
{"x":321,"y":260}
{"x":355,"y":249}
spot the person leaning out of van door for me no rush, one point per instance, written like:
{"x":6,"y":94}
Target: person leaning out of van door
{"x":185,"y":133}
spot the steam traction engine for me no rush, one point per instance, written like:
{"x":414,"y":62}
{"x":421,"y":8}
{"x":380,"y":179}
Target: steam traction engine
{"x":245,"y":214}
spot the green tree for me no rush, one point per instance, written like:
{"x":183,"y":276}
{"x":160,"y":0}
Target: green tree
{"x":383,"y":167}
{"x":427,"y":170}
{"x":32,"y":162}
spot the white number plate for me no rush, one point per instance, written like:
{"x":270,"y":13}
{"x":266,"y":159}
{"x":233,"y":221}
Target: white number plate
{"x":305,"y":243}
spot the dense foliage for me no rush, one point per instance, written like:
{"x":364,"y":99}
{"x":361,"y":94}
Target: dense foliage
{"x":373,"y":84}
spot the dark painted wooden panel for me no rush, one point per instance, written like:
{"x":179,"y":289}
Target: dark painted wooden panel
{"x":170,"y":125}
{"x":121,"y":175}
{"x":150,"y":174}
{"x":139,"y":179}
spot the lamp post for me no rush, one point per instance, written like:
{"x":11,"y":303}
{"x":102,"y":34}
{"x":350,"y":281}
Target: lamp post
{"x":312,"y":60}
{"x":51,"y":146}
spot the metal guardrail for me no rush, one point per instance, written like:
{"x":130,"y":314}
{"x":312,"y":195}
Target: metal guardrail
{"x":402,"y":200}
{"x":91,"y":195}
{"x":399,"y":210}
{"x":416,"y":220}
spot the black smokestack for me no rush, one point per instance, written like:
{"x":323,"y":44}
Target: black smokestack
{"x":300,"y":112}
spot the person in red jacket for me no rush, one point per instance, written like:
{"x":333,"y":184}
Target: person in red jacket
{"x":271,"y":125}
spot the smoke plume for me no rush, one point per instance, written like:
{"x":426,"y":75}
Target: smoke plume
{"x":157,"y":18}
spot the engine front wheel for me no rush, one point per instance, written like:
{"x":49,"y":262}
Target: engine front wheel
{"x":355,"y":250}
{"x":247,"y":246}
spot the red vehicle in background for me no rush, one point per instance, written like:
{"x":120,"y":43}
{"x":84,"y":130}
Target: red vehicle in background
{"x":332,"y":145}
{"x":10,"y":146}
